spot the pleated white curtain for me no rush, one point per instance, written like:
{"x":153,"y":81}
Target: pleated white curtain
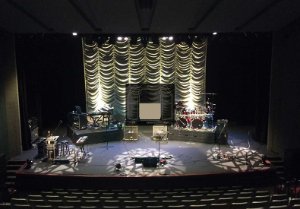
{"x":109,"y":67}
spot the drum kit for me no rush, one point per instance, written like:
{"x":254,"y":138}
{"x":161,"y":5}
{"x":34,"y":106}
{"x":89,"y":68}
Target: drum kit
{"x":200,"y":117}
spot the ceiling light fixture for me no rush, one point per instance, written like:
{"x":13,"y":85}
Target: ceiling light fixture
{"x":215,"y":33}
{"x":74,"y":33}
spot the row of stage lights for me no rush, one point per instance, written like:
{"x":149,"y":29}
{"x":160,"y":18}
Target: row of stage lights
{"x":144,"y":39}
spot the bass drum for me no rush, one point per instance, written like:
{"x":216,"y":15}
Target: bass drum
{"x":182,"y":122}
{"x":197,"y":123}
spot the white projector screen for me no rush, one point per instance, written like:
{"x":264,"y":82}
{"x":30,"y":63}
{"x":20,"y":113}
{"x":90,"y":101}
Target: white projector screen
{"x":150,"y":111}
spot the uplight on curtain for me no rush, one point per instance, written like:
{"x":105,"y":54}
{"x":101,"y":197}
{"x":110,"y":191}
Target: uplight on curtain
{"x":109,"y":67}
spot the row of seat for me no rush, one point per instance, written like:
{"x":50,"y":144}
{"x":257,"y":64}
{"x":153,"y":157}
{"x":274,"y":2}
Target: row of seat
{"x":238,"y":197}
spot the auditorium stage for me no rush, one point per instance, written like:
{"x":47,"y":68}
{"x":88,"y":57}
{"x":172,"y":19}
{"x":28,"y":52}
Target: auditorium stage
{"x":178,"y":158}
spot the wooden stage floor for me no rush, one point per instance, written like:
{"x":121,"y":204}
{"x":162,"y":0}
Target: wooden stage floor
{"x":182,"y":157}
{"x":201,"y":162}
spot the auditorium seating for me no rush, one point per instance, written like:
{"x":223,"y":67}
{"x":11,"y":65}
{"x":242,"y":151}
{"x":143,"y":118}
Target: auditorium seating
{"x":231,"y":197}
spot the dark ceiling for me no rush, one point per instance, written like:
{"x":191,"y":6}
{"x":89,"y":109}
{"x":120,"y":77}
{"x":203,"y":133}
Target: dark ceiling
{"x":146,"y":16}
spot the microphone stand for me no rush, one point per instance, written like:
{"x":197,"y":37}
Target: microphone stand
{"x":59,"y":123}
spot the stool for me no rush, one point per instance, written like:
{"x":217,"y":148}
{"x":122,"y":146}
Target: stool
{"x":64,"y":147}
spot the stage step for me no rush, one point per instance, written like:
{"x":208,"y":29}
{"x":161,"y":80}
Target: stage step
{"x":11,"y":168}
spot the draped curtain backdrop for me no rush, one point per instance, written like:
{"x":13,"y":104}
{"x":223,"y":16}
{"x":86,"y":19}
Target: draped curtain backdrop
{"x":109,"y":67}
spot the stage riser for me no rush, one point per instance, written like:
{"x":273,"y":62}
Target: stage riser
{"x":194,"y":136}
{"x":96,"y":136}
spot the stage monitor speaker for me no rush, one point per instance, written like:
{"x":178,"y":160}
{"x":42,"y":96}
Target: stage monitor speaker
{"x":131,"y":133}
{"x":150,"y":162}
{"x":147,"y":161}
{"x":160,"y":132}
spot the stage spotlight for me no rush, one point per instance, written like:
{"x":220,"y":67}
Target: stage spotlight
{"x":133,"y":40}
{"x":126,"y":38}
{"x":111,"y":40}
{"x":164,"y":38}
{"x":154,"y":39}
{"x":215,"y":33}
{"x":144,"y":40}
{"x":171,"y":38}
{"x":189,"y":41}
{"x":119,"y":38}
{"x":74,"y":33}
{"x":101,"y":40}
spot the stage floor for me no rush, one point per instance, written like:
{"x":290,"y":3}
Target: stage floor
{"x":182,"y":157}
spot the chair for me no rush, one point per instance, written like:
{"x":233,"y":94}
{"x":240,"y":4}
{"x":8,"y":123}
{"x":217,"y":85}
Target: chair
{"x":88,"y":207}
{"x":111,"y":207}
{"x":132,"y":202}
{"x":21,"y":206}
{"x":189,"y":201}
{"x":243,"y":199}
{"x":69,"y":197}
{"x":35,"y":196}
{"x":55,"y":202}
{"x":111,"y":202}
{"x":73,"y":202}
{"x":167,"y":202}
{"x":279,"y":202}
{"x":239,"y":205}
{"x":91,"y":202}
{"x":279,"y":196}
{"x":279,"y":206}
{"x":200,"y":206}
{"x":219,"y":206}
{"x":34,"y":202}
{"x":266,"y":197}
{"x":225,"y":200}
{"x":52,"y":197}
{"x":45,"y":192}
{"x":43,"y":207}
{"x":207,"y":200}
{"x":17,"y":200}
{"x":176,"y":206}
{"x":295,"y":200}
{"x":261,"y":203}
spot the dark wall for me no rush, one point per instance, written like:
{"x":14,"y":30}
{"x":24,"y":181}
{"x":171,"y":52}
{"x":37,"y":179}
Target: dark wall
{"x":238,"y":69}
{"x":284,"y":123}
{"x":10,"y":129}
{"x":53,"y":74}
